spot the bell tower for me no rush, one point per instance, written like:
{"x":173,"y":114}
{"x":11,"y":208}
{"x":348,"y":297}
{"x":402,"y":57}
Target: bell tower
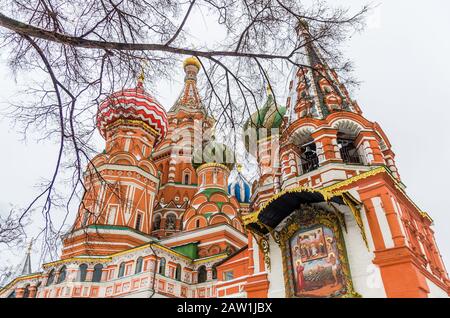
{"x":331,"y":155}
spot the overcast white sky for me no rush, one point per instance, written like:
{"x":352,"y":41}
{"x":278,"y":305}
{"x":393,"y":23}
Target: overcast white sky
{"x":402,"y":61}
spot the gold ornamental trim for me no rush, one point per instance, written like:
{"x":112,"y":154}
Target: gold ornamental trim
{"x":132,"y":122}
{"x":358,"y":177}
{"x":212,"y":165}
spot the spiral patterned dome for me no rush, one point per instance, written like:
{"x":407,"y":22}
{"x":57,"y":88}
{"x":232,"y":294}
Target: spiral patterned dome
{"x":133,"y":104}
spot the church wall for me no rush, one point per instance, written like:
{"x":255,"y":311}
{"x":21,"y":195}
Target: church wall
{"x":365,"y":275}
{"x":275,"y":274}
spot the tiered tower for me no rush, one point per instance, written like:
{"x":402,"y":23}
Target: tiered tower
{"x":122,"y":182}
{"x":188,"y":123}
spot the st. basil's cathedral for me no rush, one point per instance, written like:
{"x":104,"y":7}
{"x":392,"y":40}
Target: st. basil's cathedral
{"x":328,"y":215}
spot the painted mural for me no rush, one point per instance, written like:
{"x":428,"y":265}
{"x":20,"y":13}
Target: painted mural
{"x":315,"y":262}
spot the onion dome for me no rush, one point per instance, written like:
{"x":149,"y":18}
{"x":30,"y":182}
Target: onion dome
{"x":269,"y":116}
{"x":213,"y":152}
{"x":240,"y":188}
{"x":133,"y":104}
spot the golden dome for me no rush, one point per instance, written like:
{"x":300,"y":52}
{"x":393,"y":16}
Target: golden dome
{"x":192,"y":61}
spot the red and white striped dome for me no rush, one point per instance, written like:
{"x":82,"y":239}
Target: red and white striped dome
{"x":134,"y":104}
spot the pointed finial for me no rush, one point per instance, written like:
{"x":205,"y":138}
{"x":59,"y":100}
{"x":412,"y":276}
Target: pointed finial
{"x":269,"y":90}
{"x":30,"y":246}
{"x":268,"y":86}
{"x":140,"y":79}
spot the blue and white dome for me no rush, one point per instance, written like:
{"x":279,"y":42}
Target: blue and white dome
{"x":240,"y":188}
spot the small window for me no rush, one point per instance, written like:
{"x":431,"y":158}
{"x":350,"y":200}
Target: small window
{"x":186,"y":178}
{"x":83,"y":272}
{"x":121,"y":270}
{"x":62,"y":275}
{"x":26,"y":292}
{"x":228,"y":275}
{"x":171,"y":222}
{"x":197,"y":223}
{"x":85,"y":218}
{"x":97,"y":275}
{"x":157,"y":222}
{"x":37,"y":289}
{"x":202,"y":274}
{"x":162,"y":266}
{"x":178,"y":272}
{"x":138,"y":221}
{"x":139,"y":265}
{"x":50,"y":278}
{"x":214,"y":272}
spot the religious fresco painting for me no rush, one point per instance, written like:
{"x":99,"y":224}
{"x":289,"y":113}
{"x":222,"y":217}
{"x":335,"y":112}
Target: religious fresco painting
{"x":316,"y":269}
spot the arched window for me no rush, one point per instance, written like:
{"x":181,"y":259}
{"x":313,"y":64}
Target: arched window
{"x":201,"y":274}
{"x":170,"y":221}
{"x":26,"y":292}
{"x":138,"y":221}
{"x":121,"y":270}
{"x":97,"y":275}
{"x":347,"y":148}
{"x":82,"y":272}
{"x":162,"y":266}
{"x":50,"y":278}
{"x":308,"y":157}
{"x":157,"y":222}
{"x":37,"y":289}
{"x":197,"y":223}
{"x":139,"y":265}
{"x":62,"y":275}
{"x":186,"y":178}
{"x":178,"y":272}
{"x":214,"y":272}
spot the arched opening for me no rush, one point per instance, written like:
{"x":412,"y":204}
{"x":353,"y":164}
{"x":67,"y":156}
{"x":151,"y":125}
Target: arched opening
{"x":178,"y":272}
{"x":121,"y":270}
{"x":162,"y":266}
{"x":37,"y":289}
{"x":170,"y":221}
{"x":26,"y":292}
{"x":309,"y":160}
{"x":347,"y":148}
{"x":157,"y":222}
{"x":202,"y":274}
{"x":214,"y":272}
{"x":139,"y":265}
{"x":82,"y":272}
{"x":50,"y":278}
{"x":138,"y":221}
{"x":62,"y":275}
{"x":186,"y":177}
{"x":97,"y":275}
